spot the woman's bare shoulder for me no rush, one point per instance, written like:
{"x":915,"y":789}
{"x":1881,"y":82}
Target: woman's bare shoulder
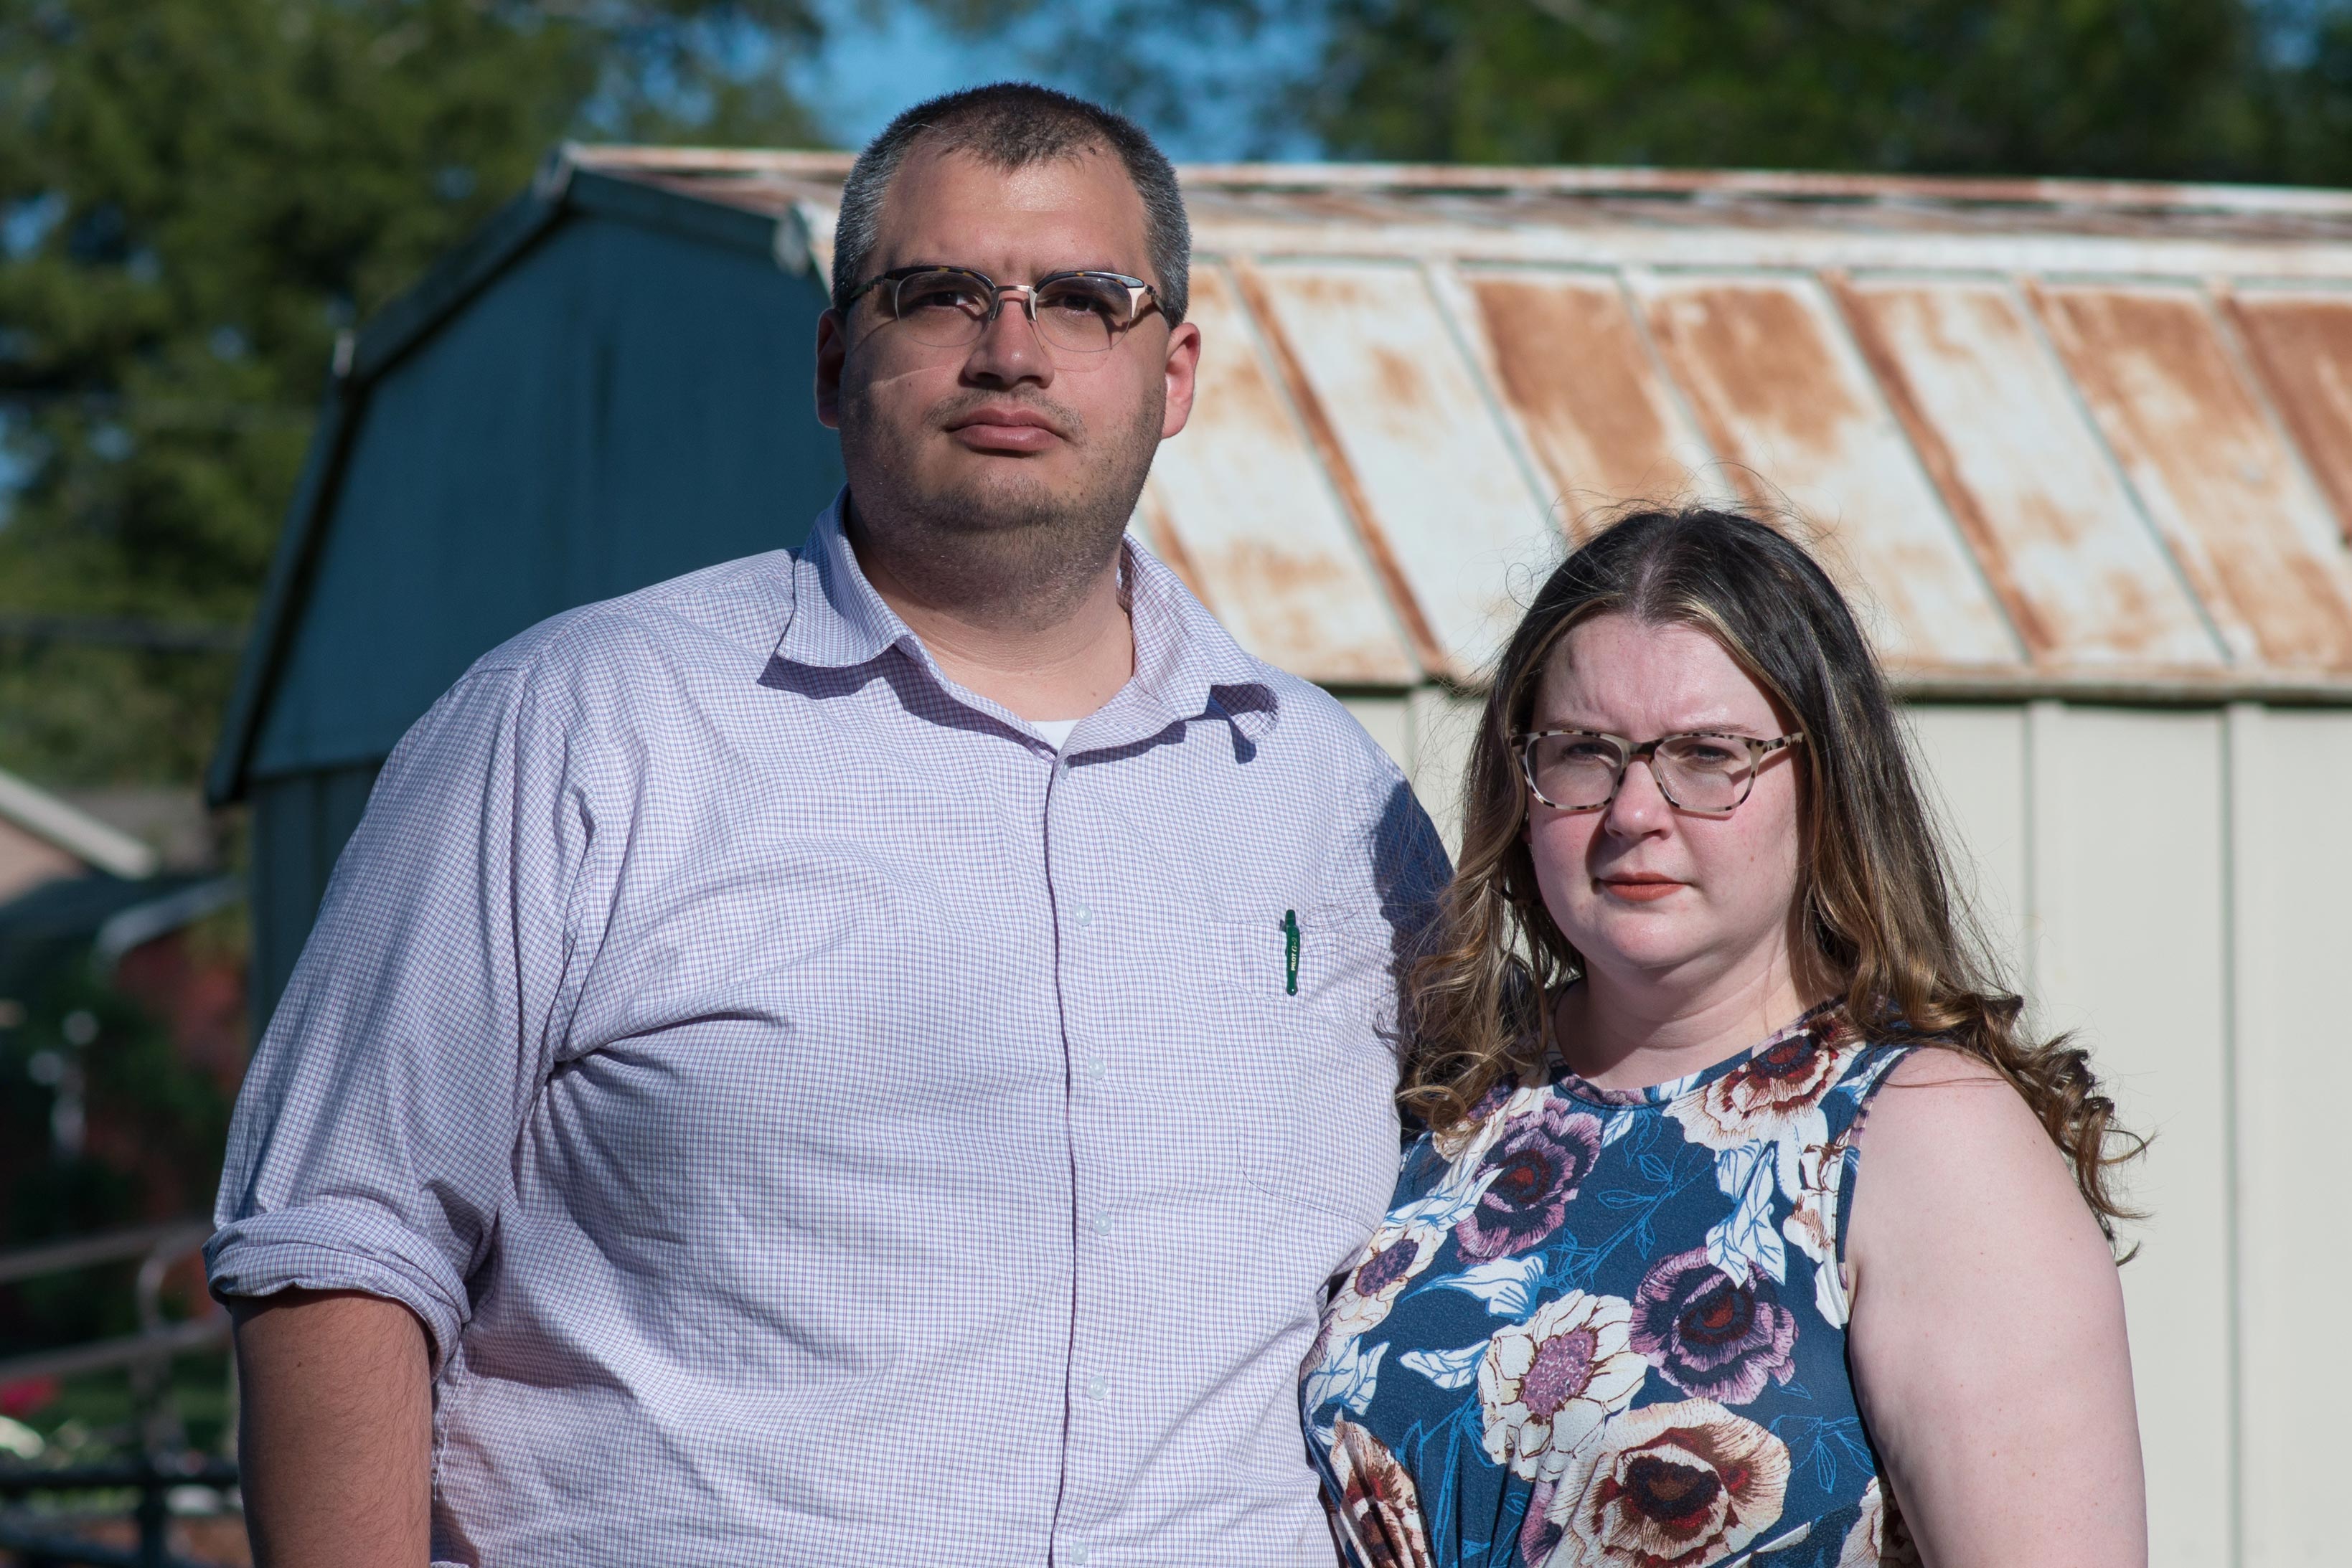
{"x":1950,"y":1152}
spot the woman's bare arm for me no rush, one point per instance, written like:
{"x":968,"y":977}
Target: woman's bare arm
{"x":335,"y":1430}
{"x":1988,"y":1332}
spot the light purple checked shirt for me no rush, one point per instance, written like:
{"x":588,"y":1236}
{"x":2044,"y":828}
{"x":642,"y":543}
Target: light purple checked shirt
{"x":819,"y":1124}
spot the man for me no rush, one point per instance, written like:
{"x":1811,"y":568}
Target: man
{"x":864,"y":1054}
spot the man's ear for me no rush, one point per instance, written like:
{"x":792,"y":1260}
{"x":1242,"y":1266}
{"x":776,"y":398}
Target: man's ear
{"x":1183,"y":362}
{"x":832,"y":352}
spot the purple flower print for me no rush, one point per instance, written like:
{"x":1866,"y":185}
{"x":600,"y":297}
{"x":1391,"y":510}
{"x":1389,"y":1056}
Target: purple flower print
{"x":1537,"y":1166}
{"x":1712,"y":1336}
{"x":1387,"y":1266}
{"x":1539,"y":1533}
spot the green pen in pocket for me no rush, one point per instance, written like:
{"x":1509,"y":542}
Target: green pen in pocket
{"x":1290,"y":951}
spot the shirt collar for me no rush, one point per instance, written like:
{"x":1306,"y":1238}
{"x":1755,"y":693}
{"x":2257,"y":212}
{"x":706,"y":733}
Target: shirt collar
{"x":838,"y":618}
{"x":1186,"y":664}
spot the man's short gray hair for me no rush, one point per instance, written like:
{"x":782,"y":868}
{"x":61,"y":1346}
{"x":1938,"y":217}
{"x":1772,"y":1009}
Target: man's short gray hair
{"x":1013,"y":125}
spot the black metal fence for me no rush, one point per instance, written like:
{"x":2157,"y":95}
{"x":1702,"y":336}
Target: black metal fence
{"x":162,"y":1461}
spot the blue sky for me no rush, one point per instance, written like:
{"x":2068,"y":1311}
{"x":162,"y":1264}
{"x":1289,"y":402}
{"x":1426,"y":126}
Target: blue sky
{"x":874,"y":66}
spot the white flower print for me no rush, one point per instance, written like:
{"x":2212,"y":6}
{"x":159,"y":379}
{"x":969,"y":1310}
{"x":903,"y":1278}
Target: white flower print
{"x":1878,"y":1538}
{"x":1395,"y":1255}
{"x":1547,"y":1385}
{"x":1669,"y":1486}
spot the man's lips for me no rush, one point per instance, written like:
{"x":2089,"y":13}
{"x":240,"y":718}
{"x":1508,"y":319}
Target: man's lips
{"x":1005,"y":429}
{"x":1639,"y":888}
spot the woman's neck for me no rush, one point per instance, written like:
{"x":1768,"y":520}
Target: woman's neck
{"x":1617,"y":1034}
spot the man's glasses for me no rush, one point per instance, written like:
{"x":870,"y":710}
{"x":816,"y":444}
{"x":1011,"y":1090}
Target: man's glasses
{"x":950,"y":307}
{"x":1581,"y":769}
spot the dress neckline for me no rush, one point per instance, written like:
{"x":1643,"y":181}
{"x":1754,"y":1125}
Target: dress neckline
{"x":1658,"y":1095}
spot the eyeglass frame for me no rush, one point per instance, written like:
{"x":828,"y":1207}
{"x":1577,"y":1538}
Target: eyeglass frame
{"x":1524,"y":746}
{"x":1140,"y":293}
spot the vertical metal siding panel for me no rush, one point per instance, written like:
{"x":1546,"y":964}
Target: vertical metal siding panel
{"x":301,"y":824}
{"x":1441,"y":488}
{"x":2302,"y":344}
{"x":1973,"y":763}
{"x":1766,"y":365}
{"x":2258,"y":545}
{"x":2057,"y":533}
{"x":284,"y":897}
{"x":1569,"y":359}
{"x":1389,"y":721}
{"x":2128,"y":891}
{"x":1255,"y":520}
{"x":2291,"y":776}
{"x":1443,"y":728}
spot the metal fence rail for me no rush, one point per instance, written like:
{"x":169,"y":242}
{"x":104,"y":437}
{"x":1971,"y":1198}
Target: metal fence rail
{"x":162,"y":1464}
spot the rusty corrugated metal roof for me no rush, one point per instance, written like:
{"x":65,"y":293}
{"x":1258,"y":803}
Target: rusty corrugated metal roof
{"x":2054,"y":435}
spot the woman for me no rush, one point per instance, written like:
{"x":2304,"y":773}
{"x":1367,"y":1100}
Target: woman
{"x":1651,"y":1293}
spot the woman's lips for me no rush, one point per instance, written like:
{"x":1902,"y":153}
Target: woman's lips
{"x":1640,"y":889}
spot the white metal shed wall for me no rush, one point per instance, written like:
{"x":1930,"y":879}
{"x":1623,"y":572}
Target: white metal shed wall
{"x":2176,"y":887}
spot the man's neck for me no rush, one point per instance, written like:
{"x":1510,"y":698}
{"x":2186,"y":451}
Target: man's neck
{"x":1060,"y":653}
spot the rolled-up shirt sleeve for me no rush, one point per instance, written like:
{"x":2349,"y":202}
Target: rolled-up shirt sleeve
{"x":373,"y":1143}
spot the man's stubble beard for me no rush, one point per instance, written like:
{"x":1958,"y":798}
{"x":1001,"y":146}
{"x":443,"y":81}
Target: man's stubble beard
{"x":1009,"y":547}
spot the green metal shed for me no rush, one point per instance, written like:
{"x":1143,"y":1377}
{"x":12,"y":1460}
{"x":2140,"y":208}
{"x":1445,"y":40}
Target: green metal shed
{"x":608,"y":386}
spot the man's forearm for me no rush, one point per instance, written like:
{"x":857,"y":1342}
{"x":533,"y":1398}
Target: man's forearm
{"x":335,"y":1430}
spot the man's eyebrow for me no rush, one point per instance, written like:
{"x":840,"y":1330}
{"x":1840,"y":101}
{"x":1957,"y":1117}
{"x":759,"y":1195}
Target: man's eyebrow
{"x":1049,"y":272}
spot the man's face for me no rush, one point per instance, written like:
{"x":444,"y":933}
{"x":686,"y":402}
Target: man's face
{"x":1043,"y":448}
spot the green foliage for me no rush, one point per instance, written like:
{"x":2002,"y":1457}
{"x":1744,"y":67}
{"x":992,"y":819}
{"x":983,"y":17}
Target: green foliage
{"x":2164,"y":89}
{"x":2225,"y":89}
{"x":195,"y":195}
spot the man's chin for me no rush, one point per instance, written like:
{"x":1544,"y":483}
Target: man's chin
{"x":1000,"y":496}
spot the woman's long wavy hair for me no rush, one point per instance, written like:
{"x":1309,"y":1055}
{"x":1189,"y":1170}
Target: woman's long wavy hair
{"x":1887,"y":935}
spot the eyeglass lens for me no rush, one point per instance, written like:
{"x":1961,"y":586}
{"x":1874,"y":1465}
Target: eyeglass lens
{"x":1083,"y":313}
{"x":1697,"y":772}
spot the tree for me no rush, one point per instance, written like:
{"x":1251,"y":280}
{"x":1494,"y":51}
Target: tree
{"x":195,"y":195}
{"x":2225,"y":89}
{"x":2151,"y":88}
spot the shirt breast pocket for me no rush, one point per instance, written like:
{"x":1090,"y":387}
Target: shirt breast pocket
{"x":1310,"y":1004}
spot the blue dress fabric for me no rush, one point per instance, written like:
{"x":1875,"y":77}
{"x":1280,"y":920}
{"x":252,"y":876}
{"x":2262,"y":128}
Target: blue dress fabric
{"x":1606,"y":1329}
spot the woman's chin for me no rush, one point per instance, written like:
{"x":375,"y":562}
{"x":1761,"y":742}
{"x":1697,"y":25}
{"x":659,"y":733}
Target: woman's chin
{"x":1640,"y":948}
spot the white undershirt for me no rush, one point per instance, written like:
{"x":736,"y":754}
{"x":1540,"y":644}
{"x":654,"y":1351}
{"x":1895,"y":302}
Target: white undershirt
{"x":1057,"y":730}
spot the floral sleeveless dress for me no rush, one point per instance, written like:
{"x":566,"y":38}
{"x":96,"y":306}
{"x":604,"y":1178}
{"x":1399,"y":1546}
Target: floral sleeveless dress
{"x":1608,"y":1328}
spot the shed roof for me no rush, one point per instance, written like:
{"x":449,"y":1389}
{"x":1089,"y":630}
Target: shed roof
{"x":2057,"y":436}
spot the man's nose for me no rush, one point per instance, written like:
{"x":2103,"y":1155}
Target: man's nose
{"x":1009,"y":350}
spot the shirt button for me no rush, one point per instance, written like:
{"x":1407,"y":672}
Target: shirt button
{"x":1102,"y":1223}
{"x":1095,"y":1069}
{"x":1098,"y":1388}
{"x":1084,"y":916}
{"x":1077,"y":1557}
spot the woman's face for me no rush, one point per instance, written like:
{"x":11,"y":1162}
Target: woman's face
{"x":1654,"y":896}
